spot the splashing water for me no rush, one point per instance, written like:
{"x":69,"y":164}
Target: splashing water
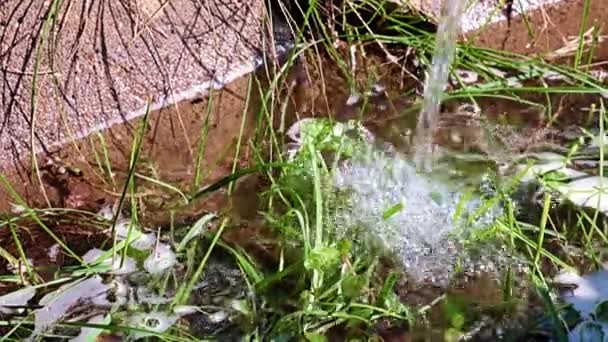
{"x":426,"y":234}
{"x":445,"y":47}
{"x":421,"y":221}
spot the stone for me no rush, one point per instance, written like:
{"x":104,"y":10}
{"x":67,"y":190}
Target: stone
{"x":100,"y":63}
{"x":72,"y":69}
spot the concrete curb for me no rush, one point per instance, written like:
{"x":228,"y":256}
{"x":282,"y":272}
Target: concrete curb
{"x":108,"y":61}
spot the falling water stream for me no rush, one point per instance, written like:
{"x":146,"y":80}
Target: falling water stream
{"x":445,"y":47}
{"x":426,"y":234}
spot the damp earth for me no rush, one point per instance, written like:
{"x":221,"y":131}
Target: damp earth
{"x":305,"y":214}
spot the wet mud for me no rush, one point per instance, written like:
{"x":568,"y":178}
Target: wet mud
{"x":91,"y":173}
{"x":383,"y":94}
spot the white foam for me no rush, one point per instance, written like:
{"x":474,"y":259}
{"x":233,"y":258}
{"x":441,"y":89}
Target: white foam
{"x":423,"y":235}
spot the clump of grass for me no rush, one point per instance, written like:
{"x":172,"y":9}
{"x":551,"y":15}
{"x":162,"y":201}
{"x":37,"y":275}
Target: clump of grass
{"x":331,"y":286}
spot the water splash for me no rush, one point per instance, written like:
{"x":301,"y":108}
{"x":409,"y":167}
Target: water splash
{"x":428,"y":233}
{"x":425,"y":222}
{"x":445,"y":47}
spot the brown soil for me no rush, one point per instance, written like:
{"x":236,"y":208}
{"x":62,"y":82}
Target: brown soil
{"x":78,"y":232}
{"x":546,"y":30}
{"x":76,"y":177}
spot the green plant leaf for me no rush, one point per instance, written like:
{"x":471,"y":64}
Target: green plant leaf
{"x":345,"y":247}
{"x":589,"y":331}
{"x":455,"y":314}
{"x":393,"y":303}
{"x":322,"y":258}
{"x":352,"y":285}
{"x":197,"y":229}
{"x":601,"y":311}
{"x":315,"y":337}
{"x":436,"y":197}
{"x":570,"y":316}
{"x":393,"y":210}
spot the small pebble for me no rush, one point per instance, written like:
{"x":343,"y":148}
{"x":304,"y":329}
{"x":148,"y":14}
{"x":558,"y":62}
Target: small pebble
{"x":353,"y":99}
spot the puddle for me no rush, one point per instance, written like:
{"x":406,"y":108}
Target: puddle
{"x":424,"y":233}
{"x":422,"y":223}
{"x":474,"y":140}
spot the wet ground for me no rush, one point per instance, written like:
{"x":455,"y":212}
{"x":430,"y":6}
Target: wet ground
{"x":385,"y":96}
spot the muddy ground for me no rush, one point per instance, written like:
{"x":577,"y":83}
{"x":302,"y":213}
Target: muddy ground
{"x":78,"y":177}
